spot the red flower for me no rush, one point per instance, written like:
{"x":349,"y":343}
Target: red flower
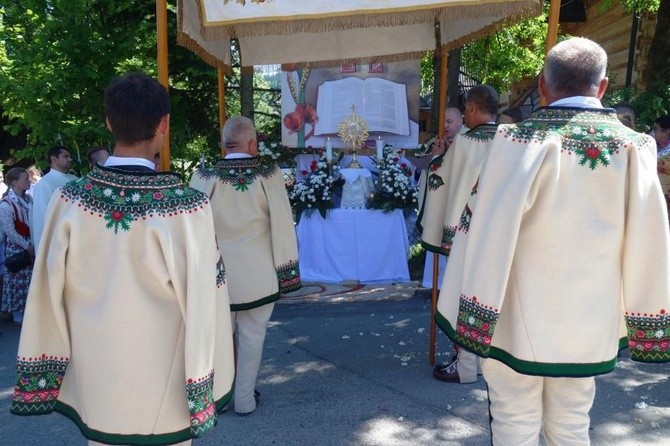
{"x":592,"y":152}
{"x":487,"y":340}
{"x":88,"y":186}
{"x":648,"y":345}
{"x":461,"y":329}
{"x":158,"y":195}
{"x":591,"y":130}
{"x":485,"y":326}
{"x":241,"y":180}
{"x":640,"y":334}
{"x":312,"y":165}
{"x":435,"y":166}
{"x":304,"y":172}
{"x":293,"y":121}
{"x":665,"y":344}
{"x":117,"y":215}
{"x":403,"y":165}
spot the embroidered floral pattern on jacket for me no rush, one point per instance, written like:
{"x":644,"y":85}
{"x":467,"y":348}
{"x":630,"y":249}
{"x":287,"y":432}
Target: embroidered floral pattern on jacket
{"x":200,"y":397}
{"x":482,"y":133}
{"x":434,"y":181}
{"x":448,"y":234}
{"x":220,"y":273}
{"x":38,"y":383}
{"x":120,"y":197}
{"x":464,"y":221}
{"x":289,"y":277}
{"x":649,"y":336}
{"x":475,"y":324}
{"x":594,"y":136}
{"x":238,"y":172}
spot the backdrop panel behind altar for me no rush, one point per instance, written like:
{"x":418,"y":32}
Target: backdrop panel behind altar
{"x":312,"y":99}
{"x":353,"y":244}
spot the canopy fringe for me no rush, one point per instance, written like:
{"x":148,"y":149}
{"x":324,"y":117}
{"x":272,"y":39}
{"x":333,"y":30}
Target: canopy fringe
{"x":493,"y":27}
{"x":352,"y":19}
{"x":191,"y":44}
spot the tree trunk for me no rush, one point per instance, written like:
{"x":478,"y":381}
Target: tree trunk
{"x":247,"y":92}
{"x":658,"y":67}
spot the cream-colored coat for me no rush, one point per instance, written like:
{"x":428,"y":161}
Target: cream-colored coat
{"x":119,"y":331}
{"x":254,"y":229}
{"x":450,"y":181}
{"x":568,"y":233}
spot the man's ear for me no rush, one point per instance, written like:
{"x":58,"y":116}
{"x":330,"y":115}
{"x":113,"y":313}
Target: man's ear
{"x":164,"y":125}
{"x":108,"y":125}
{"x":602,"y":87}
{"x":542,"y":85}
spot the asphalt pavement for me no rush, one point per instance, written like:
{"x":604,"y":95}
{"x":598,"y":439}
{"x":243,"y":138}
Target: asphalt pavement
{"x":354,"y":370}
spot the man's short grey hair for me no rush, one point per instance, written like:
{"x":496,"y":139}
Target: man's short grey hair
{"x":575,"y":67}
{"x":237,"y":131}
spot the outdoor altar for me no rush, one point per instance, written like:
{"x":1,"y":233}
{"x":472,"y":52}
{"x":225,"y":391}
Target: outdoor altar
{"x":350,"y":210}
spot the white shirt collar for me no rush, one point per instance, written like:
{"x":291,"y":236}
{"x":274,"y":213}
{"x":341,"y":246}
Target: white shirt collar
{"x":578,"y":102}
{"x":129,"y":161}
{"x":232,"y":156}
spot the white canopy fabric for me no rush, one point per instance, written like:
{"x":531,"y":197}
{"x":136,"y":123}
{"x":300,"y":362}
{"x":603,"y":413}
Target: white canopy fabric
{"x":329,"y":32}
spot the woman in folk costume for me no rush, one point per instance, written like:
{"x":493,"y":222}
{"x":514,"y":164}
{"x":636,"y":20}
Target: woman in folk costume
{"x":14,"y":218}
{"x":256,"y":236}
{"x":127,"y":356}
{"x":549,"y":258}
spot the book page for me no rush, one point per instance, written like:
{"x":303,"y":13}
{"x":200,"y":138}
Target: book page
{"x":334,"y":102}
{"x":386,"y":106}
{"x":382,"y":103}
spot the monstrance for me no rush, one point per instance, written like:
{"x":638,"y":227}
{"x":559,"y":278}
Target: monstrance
{"x":354,"y":132}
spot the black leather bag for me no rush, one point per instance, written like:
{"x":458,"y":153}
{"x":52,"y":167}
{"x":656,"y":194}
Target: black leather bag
{"x":17,"y":262}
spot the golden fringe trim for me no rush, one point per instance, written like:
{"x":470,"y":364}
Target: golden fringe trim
{"x":361,"y":19}
{"x":191,"y":44}
{"x":493,"y":27}
{"x":361,"y":60}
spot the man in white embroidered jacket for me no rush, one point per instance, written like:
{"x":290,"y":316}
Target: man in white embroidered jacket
{"x":256,"y":235}
{"x":450,"y":188}
{"x":551,"y":256}
{"x":127,"y":354}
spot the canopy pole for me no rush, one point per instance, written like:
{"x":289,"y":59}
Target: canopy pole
{"x":552,"y":32}
{"x":162,"y":44}
{"x":222,"y":105}
{"x":444,"y":58}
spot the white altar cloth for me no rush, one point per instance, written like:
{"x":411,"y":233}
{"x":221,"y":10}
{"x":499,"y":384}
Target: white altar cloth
{"x":353,"y":244}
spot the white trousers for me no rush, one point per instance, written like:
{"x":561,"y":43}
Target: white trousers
{"x":250,"y":326}
{"x":523,"y":405}
{"x":467,"y":366}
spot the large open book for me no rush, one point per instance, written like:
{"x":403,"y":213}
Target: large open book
{"x":382,"y":103}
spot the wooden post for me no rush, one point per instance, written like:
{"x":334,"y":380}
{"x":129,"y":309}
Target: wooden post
{"x":162,"y":44}
{"x":444,"y":57}
{"x":552,"y":32}
{"x":222,"y":106}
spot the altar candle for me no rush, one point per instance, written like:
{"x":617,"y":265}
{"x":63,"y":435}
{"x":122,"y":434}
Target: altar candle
{"x":329,"y":150}
{"x":380,"y":147}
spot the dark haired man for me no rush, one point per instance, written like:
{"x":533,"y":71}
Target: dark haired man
{"x":128,"y":356}
{"x":452,"y":182}
{"x":97,"y":155}
{"x":59,"y":164}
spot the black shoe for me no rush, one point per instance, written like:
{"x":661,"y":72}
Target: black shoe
{"x":446,"y":373}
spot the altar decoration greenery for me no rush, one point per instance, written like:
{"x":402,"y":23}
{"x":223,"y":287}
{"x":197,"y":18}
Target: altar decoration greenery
{"x":395,"y":190}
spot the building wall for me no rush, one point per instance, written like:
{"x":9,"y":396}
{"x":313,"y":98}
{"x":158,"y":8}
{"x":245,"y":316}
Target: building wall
{"x":612,"y":30}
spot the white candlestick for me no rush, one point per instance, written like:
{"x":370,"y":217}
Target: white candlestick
{"x":380,"y":147}
{"x":329,"y":150}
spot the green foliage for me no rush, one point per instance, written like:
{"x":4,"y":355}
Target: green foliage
{"x":649,"y":105}
{"x":58,"y":56}
{"x":633,"y":6}
{"x":509,"y":55}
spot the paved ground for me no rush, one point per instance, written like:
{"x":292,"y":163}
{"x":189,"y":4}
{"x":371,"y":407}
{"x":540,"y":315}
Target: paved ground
{"x":348,"y":366}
